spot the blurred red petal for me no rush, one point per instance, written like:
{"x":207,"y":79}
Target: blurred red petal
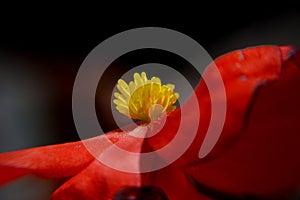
{"x":53,"y":161}
{"x":264,"y":160}
{"x":244,"y":72}
{"x":49,"y":161}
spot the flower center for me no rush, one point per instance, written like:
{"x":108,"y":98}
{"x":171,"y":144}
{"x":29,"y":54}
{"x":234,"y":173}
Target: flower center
{"x":145,"y":99}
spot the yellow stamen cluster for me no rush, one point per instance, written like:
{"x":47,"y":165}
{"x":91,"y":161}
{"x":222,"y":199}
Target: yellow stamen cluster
{"x":144,"y":99}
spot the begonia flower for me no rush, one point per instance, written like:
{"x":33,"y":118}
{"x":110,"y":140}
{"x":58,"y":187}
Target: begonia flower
{"x":256,"y":156}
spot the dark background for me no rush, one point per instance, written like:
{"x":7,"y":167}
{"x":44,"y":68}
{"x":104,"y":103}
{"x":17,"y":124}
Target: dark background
{"x":40,"y":54}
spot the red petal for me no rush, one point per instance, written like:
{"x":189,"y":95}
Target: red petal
{"x":265,"y":159}
{"x":243,"y":73}
{"x":99,"y":181}
{"x":52,"y":161}
{"x":49,"y":161}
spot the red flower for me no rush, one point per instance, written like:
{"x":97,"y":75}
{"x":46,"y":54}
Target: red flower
{"x":257,"y":154}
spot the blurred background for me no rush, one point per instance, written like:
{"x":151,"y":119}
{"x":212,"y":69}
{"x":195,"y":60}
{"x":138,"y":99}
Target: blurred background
{"x":40,"y":56}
